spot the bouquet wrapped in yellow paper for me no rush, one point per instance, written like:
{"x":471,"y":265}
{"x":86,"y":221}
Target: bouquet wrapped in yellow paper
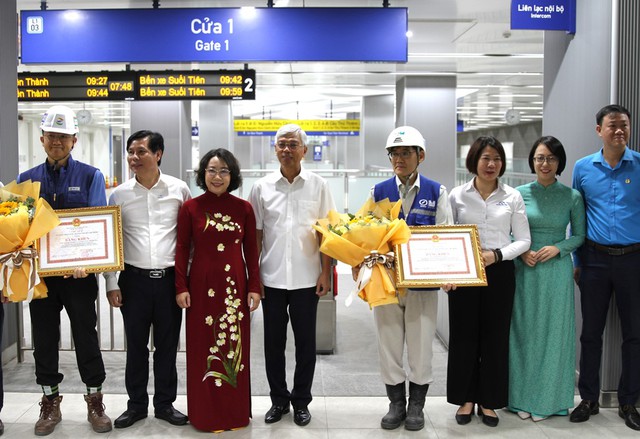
{"x":24,"y":218}
{"x":366,"y":239}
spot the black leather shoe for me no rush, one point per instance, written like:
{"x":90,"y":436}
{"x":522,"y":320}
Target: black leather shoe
{"x":301,"y":416}
{"x":584,"y":410}
{"x":275,"y":413}
{"x":172,"y":416}
{"x":464,"y":419}
{"x":128,"y":418}
{"x":490,"y":421}
{"x":630,"y":415}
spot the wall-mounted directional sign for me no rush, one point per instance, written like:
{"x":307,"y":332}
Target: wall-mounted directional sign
{"x":544,"y":15}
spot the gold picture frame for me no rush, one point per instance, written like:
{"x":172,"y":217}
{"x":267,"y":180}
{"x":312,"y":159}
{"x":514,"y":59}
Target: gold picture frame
{"x":88,"y":237}
{"x":438,"y":255}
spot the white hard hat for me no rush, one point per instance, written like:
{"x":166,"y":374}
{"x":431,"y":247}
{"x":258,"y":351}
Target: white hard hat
{"x":59,"y":119}
{"x":405,"y":136}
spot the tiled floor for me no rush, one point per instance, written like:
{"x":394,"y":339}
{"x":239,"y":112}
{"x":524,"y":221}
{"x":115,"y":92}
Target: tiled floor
{"x":333,"y":417}
{"x":348,"y":396}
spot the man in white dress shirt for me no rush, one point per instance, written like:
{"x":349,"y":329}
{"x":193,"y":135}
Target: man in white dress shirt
{"x":145,"y":290}
{"x":294,"y":273}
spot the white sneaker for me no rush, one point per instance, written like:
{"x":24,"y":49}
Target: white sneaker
{"x":524,"y":415}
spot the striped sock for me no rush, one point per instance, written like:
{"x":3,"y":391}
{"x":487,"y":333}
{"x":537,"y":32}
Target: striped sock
{"x":91,"y":390}
{"x":51,"y":392}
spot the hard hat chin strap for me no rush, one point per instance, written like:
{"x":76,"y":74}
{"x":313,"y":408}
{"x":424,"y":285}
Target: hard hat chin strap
{"x":413,"y":174}
{"x":406,"y":182}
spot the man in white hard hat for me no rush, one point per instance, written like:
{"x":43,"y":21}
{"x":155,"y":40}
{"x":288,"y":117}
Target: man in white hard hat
{"x":66,"y":183}
{"x":413,"y":319}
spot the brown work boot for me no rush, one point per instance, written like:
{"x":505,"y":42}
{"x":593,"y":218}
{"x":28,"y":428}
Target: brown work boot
{"x":49,"y":416}
{"x":96,"y":416}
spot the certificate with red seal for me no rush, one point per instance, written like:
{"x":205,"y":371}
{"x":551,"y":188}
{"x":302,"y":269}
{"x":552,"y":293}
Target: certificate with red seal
{"x":90,"y":238}
{"x":439,"y":255}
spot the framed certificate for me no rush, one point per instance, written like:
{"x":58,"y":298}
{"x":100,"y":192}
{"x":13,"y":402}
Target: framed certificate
{"x":438,"y":255}
{"x":89,"y":237}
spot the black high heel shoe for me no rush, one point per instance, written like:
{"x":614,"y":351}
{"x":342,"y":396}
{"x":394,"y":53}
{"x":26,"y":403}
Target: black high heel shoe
{"x":465,"y":419}
{"x":490,"y":421}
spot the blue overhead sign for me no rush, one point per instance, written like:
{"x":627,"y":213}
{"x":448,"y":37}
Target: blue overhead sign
{"x":214,"y":35}
{"x":544,"y":15}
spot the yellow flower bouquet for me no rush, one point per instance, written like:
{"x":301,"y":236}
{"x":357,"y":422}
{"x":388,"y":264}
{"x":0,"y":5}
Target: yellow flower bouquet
{"x":366,"y":239}
{"x":24,"y":218}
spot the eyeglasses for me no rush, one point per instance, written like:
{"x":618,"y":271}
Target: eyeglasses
{"x":140,"y":152}
{"x":495,"y":160}
{"x":291,"y":145}
{"x":551,"y":159}
{"x":62,"y":138}
{"x":224,"y":172}
{"x":394,"y":155}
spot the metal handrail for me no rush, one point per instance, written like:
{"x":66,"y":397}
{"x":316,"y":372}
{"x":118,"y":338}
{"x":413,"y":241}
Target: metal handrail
{"x":113,"y":338}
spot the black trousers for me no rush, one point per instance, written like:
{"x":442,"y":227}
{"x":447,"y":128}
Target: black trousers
{"x":78,"y":297}
{"x":602,"y":274}
{"x":479,"y":325}
{"x":148,"y":303}
{"x":301,"y":306}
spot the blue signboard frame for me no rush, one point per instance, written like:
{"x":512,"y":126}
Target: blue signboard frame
{"x":544,"y":15}
{"x":309,"y":133}
{"x":214,"y":35}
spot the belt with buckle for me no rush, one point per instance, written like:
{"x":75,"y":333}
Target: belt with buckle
{"x":156,"y":273}
{"x":614,"y":250}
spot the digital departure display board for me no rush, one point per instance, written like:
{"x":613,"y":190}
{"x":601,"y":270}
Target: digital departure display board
{"x":196,"y":85}
{"x":76,"y":86}
{"x":137,"y":85}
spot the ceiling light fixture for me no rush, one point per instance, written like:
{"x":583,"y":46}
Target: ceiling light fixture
{"x":476,"y":55}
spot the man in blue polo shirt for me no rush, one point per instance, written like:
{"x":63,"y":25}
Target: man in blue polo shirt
{"x":609,"y":182}
{"x":412,"y":321}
